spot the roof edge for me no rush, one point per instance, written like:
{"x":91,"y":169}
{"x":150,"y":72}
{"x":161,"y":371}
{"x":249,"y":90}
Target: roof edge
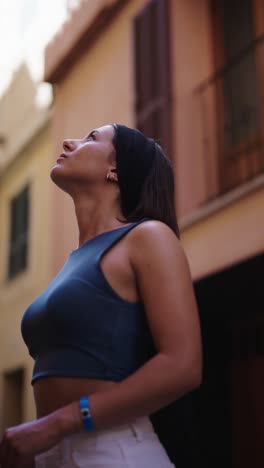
{"x":76,"y":36}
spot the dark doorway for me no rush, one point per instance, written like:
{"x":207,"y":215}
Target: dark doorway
{"x":222,"y":423}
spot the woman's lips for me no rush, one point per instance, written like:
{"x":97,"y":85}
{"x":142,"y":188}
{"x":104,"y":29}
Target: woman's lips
{"x":62,"y":156}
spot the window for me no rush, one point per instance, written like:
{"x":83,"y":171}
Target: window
{"x":13,"y":386}
{"x":19,"y":227}
{"x":152,"y":84}
{"x":240,"y":80}
{"x":237,"y":92}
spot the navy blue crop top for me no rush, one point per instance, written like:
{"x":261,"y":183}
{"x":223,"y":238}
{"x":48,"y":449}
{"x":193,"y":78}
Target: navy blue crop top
{"x":80,"y":327}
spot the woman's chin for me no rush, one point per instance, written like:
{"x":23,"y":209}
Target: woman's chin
{"x":57,"y":168}
{"x":54,"y":171}
{"x":57,"y":176}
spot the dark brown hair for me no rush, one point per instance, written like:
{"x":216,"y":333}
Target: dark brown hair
{"x":157,"y":195}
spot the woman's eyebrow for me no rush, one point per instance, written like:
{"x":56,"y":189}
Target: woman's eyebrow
{"x":91,"y":133}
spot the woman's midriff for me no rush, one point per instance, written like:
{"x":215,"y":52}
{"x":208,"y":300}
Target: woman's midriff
{"x":51,"y":393}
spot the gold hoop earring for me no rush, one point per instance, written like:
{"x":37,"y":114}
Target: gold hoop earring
{"x":108,"y":177}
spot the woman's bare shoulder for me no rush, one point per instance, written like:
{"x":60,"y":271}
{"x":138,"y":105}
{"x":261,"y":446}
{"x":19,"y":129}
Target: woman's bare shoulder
{"x":151,"y":235}
{"x":153,"y":227}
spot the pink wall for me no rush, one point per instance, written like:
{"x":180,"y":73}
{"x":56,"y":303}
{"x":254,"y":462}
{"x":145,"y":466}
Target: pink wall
{"x":191,"y":65}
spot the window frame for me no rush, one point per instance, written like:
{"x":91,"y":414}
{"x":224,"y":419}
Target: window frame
{"x":18,"y":232}
{"x":242,"y":161}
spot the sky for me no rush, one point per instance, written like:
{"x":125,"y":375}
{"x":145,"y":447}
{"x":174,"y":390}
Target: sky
{"x":26,"y":26}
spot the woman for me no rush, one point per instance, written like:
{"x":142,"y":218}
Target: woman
{"x":116,"y":334}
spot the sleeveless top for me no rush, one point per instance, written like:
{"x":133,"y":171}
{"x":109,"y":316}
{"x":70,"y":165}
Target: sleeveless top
{"x":80,"y":327}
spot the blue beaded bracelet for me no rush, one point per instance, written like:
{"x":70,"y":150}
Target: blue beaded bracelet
{"x":86,"y":414}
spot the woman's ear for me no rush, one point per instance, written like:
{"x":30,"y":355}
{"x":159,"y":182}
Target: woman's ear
{"x":114,"y":176}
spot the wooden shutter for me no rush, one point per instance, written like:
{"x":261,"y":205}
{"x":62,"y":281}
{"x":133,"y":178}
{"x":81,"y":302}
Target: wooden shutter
{"x":18,"y":248}
{"x":152,"y":72}
{"x":240,"y":155}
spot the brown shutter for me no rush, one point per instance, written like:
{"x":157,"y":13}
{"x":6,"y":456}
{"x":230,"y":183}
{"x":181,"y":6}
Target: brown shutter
{"x":153,"y":103}
{"x":237,"y":90}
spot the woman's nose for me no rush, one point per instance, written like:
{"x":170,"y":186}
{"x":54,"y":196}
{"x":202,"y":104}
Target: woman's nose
{"x":67,"y":145}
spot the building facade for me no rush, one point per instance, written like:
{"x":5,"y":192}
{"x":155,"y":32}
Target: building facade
{"x":25,"y":264}
{"x":189,"y":74}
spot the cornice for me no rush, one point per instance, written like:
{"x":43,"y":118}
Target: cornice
{"x":77,"y":34}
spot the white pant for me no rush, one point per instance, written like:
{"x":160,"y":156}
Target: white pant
{"x":133,"y":445}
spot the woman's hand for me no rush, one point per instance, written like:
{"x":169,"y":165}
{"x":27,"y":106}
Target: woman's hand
{"x":21,"y":443}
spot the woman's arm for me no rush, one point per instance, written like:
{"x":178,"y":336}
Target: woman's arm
{"x":165,"y":286}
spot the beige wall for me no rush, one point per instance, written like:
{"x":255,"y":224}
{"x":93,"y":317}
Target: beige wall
{"x":20,"y":116}
{"x":226,"y":237}
{"x":30,"y":164}
{"x":16,"y":294}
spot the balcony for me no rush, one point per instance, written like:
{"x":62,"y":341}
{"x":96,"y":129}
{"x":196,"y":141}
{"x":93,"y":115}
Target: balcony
{"x":230,"y":110}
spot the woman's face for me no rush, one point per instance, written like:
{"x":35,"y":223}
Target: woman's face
{"x":86,"y":160}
